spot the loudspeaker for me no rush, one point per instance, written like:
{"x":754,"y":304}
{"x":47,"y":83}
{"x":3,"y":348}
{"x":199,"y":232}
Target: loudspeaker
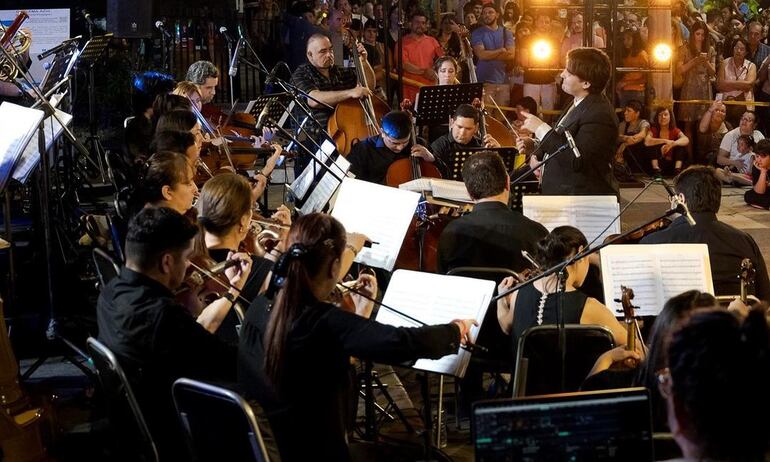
{"x":129,"y":18}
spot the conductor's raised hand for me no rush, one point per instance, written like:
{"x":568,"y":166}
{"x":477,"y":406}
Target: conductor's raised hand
{"x":531,"y":122}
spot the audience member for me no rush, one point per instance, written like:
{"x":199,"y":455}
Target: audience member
{"x":729,"y":155}
{"x":711,"y":130}
{"x":419,"y":52}
{"x":494,"y":47}
{"x":759,"y":195}
{"x":633,"y":85}
{"x":736,"y":79}
{"x":632,"y":132}
{"x":664,"y":133}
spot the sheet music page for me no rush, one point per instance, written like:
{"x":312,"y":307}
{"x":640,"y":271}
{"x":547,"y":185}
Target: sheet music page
{"x":31,"y":156}
{"x":656,"y":272}
{"x":381,"y":213}
{"x":18,"y":124}
{"x":437,"y":299}
{"x":327,"y":184}
{"x":419,"y":185}
{"x":450,"y":189}
{"x":589,"y":214}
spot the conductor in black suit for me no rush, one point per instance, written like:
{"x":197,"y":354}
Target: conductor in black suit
{"x":591,"y":121}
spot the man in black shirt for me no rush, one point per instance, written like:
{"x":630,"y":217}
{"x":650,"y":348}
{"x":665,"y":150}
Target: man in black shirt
{"x":154,"y":338}
{"x":728,"y":246}
{"x":371,"y":158}
{"x":463,"y":128}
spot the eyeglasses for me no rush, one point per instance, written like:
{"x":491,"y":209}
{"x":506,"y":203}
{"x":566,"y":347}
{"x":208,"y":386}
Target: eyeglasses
{"x":748,"y":119}
{"x":663,"y":377}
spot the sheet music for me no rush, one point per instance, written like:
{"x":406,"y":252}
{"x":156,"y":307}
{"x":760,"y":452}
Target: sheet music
{"x":437,"y":299}
{"x":18,"y":124}
{"x":589,"y":214}
{"x":31,"y":156}
{"x":656,"y":272}
{"x":446,"y":189}
{"x":381,"y":213}
{"x":327,"y":183}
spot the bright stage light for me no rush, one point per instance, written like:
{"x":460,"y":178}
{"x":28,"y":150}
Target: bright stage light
{"x":542,"y":50}
{"x":662,"y":53}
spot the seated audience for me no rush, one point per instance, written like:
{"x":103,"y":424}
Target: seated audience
{"x":665,"y":142}
{"x":729,"y":155}
{"x":728,"y":246}
{"x":711,"y":130}
{"x":759,"y":196}
{"x":742,"y":176}
{"x":632,"y":132}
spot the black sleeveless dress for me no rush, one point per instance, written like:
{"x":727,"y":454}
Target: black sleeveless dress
{"x":526,"y":308}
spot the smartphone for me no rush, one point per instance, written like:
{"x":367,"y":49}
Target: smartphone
{"x":718,"y":97}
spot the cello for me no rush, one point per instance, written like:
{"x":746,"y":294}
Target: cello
{"x":354,"y":119}
{"x":420,"y":248}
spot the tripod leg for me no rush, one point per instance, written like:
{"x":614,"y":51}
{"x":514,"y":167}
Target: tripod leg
{"x":392,"y":403}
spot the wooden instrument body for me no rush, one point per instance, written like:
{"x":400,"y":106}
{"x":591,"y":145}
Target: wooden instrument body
{"x":348,"y":124}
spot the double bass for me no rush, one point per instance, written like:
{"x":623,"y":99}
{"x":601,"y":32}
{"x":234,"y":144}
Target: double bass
{"x":356,"y":119}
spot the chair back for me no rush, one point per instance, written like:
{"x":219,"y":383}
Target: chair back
{"x":491,"y":335}
{"x":538,"y":362}
{"x":106,"y":266}
{"x":218,"y":423}
{"x":125,"y":415}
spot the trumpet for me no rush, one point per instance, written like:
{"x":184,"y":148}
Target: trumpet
{"x":16,"y":42}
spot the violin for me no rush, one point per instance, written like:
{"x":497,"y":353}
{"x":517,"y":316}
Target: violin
{"x":204,"y":282}
{"x":637,"y":236}
{"x":747,"y":275}
{"x":356,"y":119}
{"x":633,"y":332}
{"x":264,"y":235}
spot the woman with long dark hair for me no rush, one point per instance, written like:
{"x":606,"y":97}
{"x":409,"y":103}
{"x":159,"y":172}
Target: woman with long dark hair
{"x":736,"y":79}
{"x":294,"y":355}
{"x":697,"y":66}
{"x":665,"y":142}
{"x":632,"y":85}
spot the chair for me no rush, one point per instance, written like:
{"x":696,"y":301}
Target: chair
{"x":106,"y":266}
{"x":121,"y":403}
{"x":219,"y":423}
{"x":538,"y":360}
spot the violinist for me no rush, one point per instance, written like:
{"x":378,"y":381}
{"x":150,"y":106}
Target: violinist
{"x":169,"y":102}
{"x":727,"y":245}
{"x":154,"y":338}
{"x":224,"y":214}
{"x":168,"y":182}
{"x":138,"y":133}
{"x":190,"y":91}
{"x":327,"y":82}
{"x":177,"y":141}
{"x":300,"y":335}
{"x":205,"y":75}
{"x":463,"y":131}
{"x":181,"y":120}
{"x":370,"y":158}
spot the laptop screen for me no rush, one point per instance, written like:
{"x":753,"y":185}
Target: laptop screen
{"x":590,"y":426}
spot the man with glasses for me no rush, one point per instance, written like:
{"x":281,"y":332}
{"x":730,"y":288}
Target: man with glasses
{"x":371,"y":158}
{"x":729,"y":156}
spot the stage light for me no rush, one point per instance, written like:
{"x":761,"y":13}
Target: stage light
{"x":662,"y":53}
{"x":542,"y":50}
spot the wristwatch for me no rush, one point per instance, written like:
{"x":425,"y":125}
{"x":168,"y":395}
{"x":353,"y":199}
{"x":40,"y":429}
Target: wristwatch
{"x":229,"y":297}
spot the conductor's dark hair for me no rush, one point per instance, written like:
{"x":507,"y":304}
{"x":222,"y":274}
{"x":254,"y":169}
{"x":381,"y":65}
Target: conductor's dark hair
{"x":164,"y":168}
{"x":172,"y":140}
{"x":156,"y":231}
{"x":558,"y":245}
{"x":467,"y":111}
{"x":484,"y":175}
{"x":314,"y":241}
{"x":701,"y":188}
{"x":591,"y":65}
{"x":180,"y":120}
{"x":675,"y":311}
{"x":199,"y":71}
{"x":720,"y":374}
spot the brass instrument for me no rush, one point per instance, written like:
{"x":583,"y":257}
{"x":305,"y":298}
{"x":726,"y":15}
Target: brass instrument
{"x":16,"y":42}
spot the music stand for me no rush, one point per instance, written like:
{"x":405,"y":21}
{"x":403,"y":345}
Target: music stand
{"x":524,"y":188}
{"x":275,"y":111}
{"x":435,"y":104}
{"x":60,"y":69}
{"x":458,"y":156}
{"x":89,"y":55}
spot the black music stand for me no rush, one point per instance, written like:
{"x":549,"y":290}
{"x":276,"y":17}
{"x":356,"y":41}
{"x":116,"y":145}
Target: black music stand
{"x":275,"y":112}
{"x":60,"y":68}
{"x":89,"y":55}
{"x":518,"y":191}
{"x":435,"y":104}
{"x":457,"y":158}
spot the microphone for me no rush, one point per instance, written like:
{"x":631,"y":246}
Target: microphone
{"x":234,"y":61}
{"x":59,"y":47}
{"x":273,"y":72}
{"x":262,"y":115}
{"x":572,"y":144}
{"x":87,"y":17}
{"x":677,"y":203}
{"x":223,"y":31}
{"x":162,"y":28}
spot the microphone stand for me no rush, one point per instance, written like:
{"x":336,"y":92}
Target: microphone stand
{"x":291,"y":137}
{"x":560,"y":268}
{"x":547,"y":158}
{"x":229,"y":60}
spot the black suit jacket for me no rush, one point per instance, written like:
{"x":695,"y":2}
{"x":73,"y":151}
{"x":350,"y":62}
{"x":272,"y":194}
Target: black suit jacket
{"x":594,"y":126}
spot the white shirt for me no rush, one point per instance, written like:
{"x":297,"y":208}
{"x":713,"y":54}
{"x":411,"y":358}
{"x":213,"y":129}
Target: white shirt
{"x":545,"y":128}
{"x":730,"y":142}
